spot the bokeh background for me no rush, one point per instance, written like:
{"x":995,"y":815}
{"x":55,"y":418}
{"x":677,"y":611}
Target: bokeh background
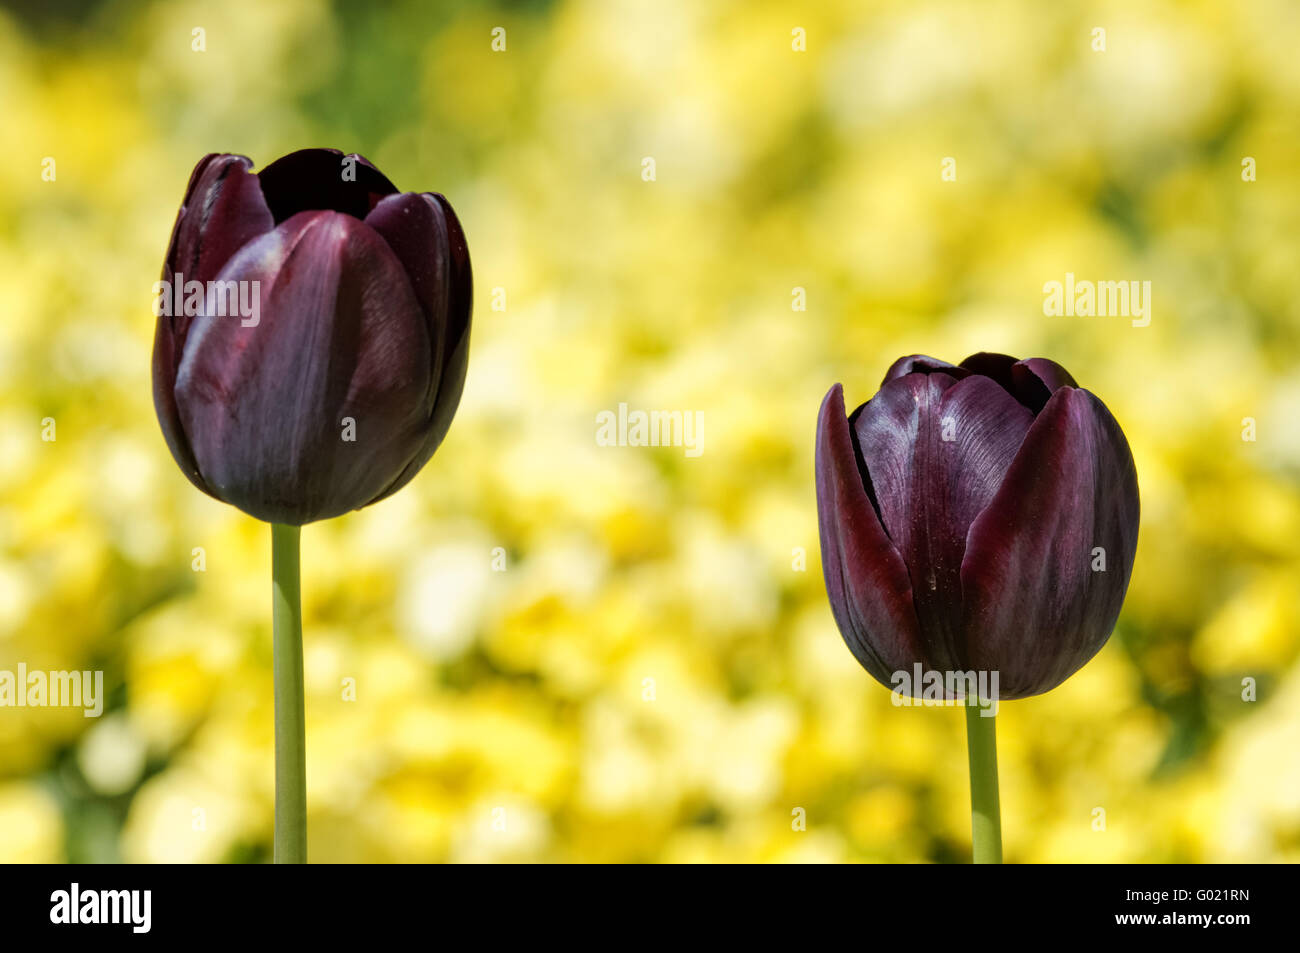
{"x":506,"y":715}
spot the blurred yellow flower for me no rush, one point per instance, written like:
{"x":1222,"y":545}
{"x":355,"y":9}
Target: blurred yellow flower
{"x":546,"y":649}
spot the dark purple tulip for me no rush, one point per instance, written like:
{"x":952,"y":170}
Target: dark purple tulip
{"x":965,"y":512}
{"x":364,"y":314}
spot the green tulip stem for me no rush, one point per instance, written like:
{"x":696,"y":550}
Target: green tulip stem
{"x":985,"y":814}
{"x":290,"y":715}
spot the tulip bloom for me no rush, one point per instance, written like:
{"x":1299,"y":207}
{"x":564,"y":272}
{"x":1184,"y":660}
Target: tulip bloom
{"x":311,"y":346}
{"x":980,"y":517}
{"x":347,"y":382}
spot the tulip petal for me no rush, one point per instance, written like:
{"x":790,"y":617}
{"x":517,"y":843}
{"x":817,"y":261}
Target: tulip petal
{"x":994,"y":365}
{"x":921,"y":364}
{"x":222,"y":211}
{"x":1031,"y":381}
{"x":937,"y":450}
{"x":1053,"y":375}
{"x":341,"y":336}
{"x":1036,"y":379}
{"x":866,"y":580}
{"x":460,"y":308}
{"x":313,"y":180}
{"x":415,"y":229}
{"x":1034,"y":609}
{"x":454,"y":350}
{"x":164,"y":402}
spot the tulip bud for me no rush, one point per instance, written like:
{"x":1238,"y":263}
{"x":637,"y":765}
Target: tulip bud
{"x":346,"y":382}
{"x":962,"y":511}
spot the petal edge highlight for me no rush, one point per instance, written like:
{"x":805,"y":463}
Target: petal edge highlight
{"x":1034,"y":608}
{"x":867,"y":582}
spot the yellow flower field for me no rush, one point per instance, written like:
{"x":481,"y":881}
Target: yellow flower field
{"x":546,"y":649}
